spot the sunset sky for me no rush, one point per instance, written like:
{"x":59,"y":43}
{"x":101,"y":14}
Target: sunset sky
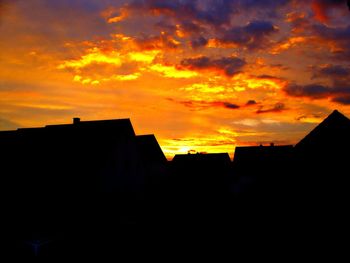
{"x":202,"y":75}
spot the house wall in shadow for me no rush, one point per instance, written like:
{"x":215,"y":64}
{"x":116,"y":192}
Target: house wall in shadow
{"x":58,"y":177}
{"x":201,"y":174}
{"x":262,"y":169}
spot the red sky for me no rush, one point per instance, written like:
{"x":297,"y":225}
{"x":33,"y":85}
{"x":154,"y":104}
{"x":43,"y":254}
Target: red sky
{"x":201,"y":75}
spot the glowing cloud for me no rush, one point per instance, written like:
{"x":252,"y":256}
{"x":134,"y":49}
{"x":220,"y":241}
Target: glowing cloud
{"x":288,"y":44}
{"x":118,"y":18}
{"x":127,"y":77}
{"x":173,"y":72}
{"x":146,"y":56}
{"x":95,"y":56}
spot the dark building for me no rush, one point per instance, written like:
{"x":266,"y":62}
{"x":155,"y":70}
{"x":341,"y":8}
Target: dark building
{"x":330,"y":138}
{"x":153,"y":163}
{"x":260,"y":169}
{"x":86,"y":156}
{"x":55,"y":180}
{"x":323,"y":155}
{"x":201,"y":174}
{"x":94,"y":186}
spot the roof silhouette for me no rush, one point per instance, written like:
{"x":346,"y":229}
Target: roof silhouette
{"x":149,"y":148}
{"x":332,"y":133}
{"x":100,"y":156}
{"x":249,"y":154}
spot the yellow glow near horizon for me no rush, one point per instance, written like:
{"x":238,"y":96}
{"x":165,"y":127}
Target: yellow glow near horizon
{"x":172,"y":72}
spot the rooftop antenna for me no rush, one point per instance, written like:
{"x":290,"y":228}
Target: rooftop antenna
{"x":76,"y":120}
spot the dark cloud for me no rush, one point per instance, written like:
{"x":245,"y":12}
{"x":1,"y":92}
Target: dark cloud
{"x":201,"y":104}
{"x":163,"y":41}
{"x":339,"y":94}
{"x":278,"y":107}
{"x":212,"y":19}
{"x":332,"y":33}
{"x":229,"y":105}
{"x":251,"y":102}
{"x":338,"y":38}
{"x":331,"y":71}
{"x":228,"y":65}
{"x":252,"y":36}
{"x":266,"y":76}
{"x":342,"y":100}
{"x":199,"y":42}
{"x":214,"y":13}
{"x":314,"y":91}
{"x":265,"y":4}
{"x":188,"y":27}
{"x":302,"y":117}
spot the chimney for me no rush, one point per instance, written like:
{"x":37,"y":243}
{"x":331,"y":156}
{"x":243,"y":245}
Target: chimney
{"x":76,"y":120}
{"x":272,"y":144}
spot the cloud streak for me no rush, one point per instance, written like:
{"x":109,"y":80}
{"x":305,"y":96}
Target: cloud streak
{"x":202,"y":105}
{"x":277,"y":108}
{"x":228,"y":66}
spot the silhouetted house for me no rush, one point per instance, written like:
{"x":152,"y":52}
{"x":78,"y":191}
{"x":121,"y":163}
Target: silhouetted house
{"x":205,"y":173}
{"x":58,"y":176}
{"x":86,"y":156}
{"x":331,"y":138}
{"x":153,"y":162}
{"x":149,"y":149}
{"x":261,"y":168}
{"x":323,"y":156}
{"x":261,"y":156}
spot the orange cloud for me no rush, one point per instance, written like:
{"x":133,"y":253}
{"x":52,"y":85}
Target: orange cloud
{"x":172,"y":72}
{"x":114,"y":15}
{"x":161,"y":42}
{"x":95,"y":56}
{"x":145,"y":56}
{"x":123,"y":14}
{"x":320,"y":11}
{"x":288,"y":44}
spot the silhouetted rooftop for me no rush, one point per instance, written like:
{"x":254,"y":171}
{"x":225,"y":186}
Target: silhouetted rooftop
{"x":333,"y":132}
{"x":149,"y":148}
{"x":121,"y":125}
{"x":253,"y":153}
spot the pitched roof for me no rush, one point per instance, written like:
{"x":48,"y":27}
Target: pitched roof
{"x":149,"y":148}
{"x":332,"y":133}
{"x":121,"y":126}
